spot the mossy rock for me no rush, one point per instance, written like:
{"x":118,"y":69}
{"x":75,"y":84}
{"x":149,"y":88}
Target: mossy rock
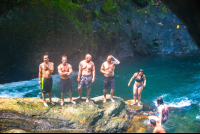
{"x":110,"y":108}
{"x":134,"y":109}
{"x":110,"y":8}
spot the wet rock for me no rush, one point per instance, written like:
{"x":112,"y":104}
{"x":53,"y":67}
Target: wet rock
{"x":133,"y":109}
{"x":30,"y":114}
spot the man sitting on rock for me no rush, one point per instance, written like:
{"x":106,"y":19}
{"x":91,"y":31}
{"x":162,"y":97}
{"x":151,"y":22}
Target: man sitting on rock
{"x":156,"y":126}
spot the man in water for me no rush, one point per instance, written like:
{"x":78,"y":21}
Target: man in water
{"x":86,"y":75}
{"x":156,"y":126}
{"x":107,"y":68}
{"x":45,"y":71}
{"x":65,"y":70}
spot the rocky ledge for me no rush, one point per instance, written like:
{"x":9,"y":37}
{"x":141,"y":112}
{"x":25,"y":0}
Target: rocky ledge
{"x":29,"y":115}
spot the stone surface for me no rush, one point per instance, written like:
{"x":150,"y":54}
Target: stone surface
{"x":30,"y":115}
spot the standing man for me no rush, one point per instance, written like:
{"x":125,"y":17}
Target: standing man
{"x":156,"y":126}
{"x":45,"y":71}
{"x":86,"y":75}
{"x":65,"y":70}
{"x":107,"y":68}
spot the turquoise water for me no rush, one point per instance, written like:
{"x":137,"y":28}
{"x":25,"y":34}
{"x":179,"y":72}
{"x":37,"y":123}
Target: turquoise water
{"x":175,"y":78}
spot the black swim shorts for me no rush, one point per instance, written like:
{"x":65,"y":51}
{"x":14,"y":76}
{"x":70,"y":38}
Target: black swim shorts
{"x":47,"y":85}
{"x":109,"y":82}
{"x":85,"y":81}
{"x":66,"y":83}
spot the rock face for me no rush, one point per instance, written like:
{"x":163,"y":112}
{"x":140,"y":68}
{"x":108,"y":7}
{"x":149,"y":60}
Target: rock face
{"x":125,"y":28}
{"x":29,"y":115}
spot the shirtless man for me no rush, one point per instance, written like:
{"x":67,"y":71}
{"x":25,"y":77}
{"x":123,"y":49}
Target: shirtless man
{"x":107,"y":68}
{"x":86,"y":75}
{"x":65,"y":70}
{"x":156,"y":126}
{"x":45,"y":70}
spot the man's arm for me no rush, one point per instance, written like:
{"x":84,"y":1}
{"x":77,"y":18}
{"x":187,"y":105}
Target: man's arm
{"x":70,"y":70}
{"x":60,"y":71}
{"x":102,"y":69}
{"x":93,"y":72}
{"x":79,"y":72}
{"x":116,"y":62}
{"x":40,"y":73}
{"x":52,"y":68}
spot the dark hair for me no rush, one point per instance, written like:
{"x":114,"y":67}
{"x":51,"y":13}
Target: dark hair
{"x":159,"y":101}
{"x":141,"y":70}
{"x":153,"y":122}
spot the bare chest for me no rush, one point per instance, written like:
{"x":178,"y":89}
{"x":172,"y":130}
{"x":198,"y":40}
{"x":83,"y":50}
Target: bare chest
{"x":109,"y":66}
{"x":64,"y":68}
{"x":87,"y":66}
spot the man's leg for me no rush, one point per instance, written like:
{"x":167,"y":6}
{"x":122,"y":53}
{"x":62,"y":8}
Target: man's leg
{"x":62,"y":101}
{"x":88,"y":93}
{"x":112,"y":88}
{"x":104,"y":92}
{"x":80,"y":93}
{"x":49,"y":94}
{"x":70,"y":97}
{"x":112,"y":93}
{"x":44,"y":101}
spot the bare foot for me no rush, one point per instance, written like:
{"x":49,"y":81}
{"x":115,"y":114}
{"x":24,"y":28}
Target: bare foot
{"x":52,"y":103}
{"x":45,"y":104}
{"x":133,"y":103}
{"x":79,"y":98}
{"x":112,"y":100}
{"x":87,"y":100}
{"x":104,"y":101}
{"x":138,"y":104}
{"x":73,"y":102}
{"x":61,"y":103}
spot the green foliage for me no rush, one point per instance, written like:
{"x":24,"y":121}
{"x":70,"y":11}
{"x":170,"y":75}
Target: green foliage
{"x":110,"y":8}
{"x":96,"y":13}
{"x":163,"y":9}
{"x":152,"y":1}
{"x":141,"y":11}
{"x":161,"y":15}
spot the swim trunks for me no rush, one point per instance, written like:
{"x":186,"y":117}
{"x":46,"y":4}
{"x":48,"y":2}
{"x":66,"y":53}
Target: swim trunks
{"x":85,"y":81}
{"x":66,"y":83}
{"x":47,"y":85}
{"x":109,"y":82}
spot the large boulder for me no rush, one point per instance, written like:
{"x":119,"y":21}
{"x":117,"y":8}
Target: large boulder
{"x":30,"y":115}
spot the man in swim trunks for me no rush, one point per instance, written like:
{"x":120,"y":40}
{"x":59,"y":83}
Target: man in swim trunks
{"x":65,"y":70}
{"x":86,"y":75}
{"x":157,"y":127}
{"x":107,"y":68}
{"x":45,"y":71}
